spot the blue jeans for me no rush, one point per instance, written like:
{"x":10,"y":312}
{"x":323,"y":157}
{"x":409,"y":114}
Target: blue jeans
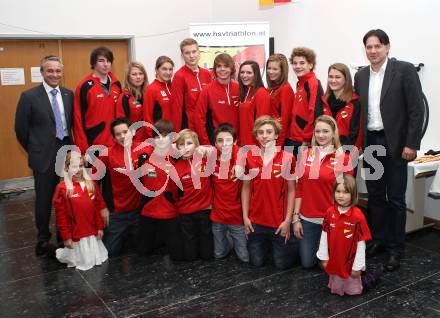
{"x":309,"y":244}
{"x":263,"y":239}
{"x":227,"y":237}
{"x":121,"y":226}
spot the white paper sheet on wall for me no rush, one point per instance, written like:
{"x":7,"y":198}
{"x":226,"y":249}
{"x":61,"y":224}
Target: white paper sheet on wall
{"x":36,"y":75}
{"x":12,"y":76}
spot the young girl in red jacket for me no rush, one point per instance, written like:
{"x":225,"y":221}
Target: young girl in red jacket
{"x":130,"y":102}
{"x":194,"y":202}
{"x":343,"y":240}
{"x":157,"y":98}
{"x":79,"y":207}
{"x":307,"y":105}
{"x":281,"y":93}
{"x":254,"y":101}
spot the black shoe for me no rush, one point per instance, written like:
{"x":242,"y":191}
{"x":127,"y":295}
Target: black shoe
{"x":371,"y":277}
{"x":374,"y":249}
{"x":393,"y":263}
{"x":44,"y":248}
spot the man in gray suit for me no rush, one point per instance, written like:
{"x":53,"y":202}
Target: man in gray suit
{"x":43,"y":124}
{"x":392,"y":113}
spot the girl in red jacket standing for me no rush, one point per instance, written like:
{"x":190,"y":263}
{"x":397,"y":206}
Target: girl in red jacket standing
{"x":321,"y":163}
{"x":157,"y":99}
{"x":129,"y":104}
{"x":343,"y":240}
{"x":281,"y":93}
{"x":307,"y":105}
{"x":79,"y":207}
{"x":343,"y":105}
{"x":254,"y":101}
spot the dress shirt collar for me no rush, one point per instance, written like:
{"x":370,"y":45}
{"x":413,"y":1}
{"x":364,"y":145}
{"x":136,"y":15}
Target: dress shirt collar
{"x":382,"y":68}
{"x":49,"y":88}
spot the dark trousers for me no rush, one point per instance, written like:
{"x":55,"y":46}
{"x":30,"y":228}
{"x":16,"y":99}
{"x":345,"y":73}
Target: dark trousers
{"x":165,"y":230}
{"x":197,"y":235}
{"x":44,"y":185}
{"x":264,"y":239}
{"x":386,"y":199}
{"x":121,"y":230}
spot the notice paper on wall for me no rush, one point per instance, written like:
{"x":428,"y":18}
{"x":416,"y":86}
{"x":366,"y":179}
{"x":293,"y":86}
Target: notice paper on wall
{"x":12,"y":76}
{"x":36,"y":75}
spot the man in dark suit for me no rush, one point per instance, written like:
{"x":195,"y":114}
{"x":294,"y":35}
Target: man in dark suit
{"x":392,"y":112}
{"x":43,"y":124}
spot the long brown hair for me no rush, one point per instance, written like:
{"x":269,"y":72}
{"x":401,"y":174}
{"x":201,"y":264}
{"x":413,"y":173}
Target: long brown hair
{"x":281,"y":59}
{"x":347,"y":93}
{"x":258,"y":82}
{"x":138,"y":92}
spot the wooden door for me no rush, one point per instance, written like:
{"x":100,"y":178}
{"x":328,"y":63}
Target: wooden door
{"x":76,"y":59}
{"x":28,"y":53}
{"x":17,"y":54}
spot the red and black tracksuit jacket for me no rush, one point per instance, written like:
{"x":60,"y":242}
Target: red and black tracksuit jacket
{"x":217,"y":104}
{"x":127,"y":106}
{"x":79,"y":215}
{"x":187,"y":86}
{"x":282,"y":98}
{"x":307,"y":107}
{"x":348,"y":118}
{"x":118,"y":190}
{"x":251,"y":108}
{"x":156,"y":172}
{"x":93,"y":111}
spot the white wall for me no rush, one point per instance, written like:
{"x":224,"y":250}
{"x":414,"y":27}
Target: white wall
{"x":334,"y":29}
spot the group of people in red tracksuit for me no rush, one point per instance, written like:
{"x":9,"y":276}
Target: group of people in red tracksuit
{"x":214,"y":166}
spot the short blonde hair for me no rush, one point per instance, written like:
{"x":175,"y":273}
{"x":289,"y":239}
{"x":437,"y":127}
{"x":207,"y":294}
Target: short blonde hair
{"x":187,"y":42}
{"x":187,"y":134}
{"x":266,"y":120}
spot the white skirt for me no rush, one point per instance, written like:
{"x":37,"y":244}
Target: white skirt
{"x":85,"y":254}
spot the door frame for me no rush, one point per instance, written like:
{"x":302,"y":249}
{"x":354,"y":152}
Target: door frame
{"x":28,"y":182}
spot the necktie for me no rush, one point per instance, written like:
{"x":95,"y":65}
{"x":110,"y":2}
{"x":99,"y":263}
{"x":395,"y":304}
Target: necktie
{"x":57,"y":114}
